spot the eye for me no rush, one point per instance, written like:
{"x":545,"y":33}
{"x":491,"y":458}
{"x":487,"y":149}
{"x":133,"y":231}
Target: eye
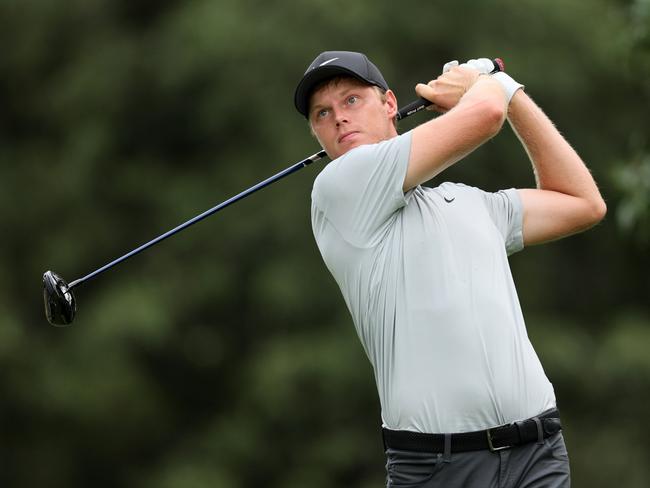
{"x":322,"y":113}
{"x":352,"y":99}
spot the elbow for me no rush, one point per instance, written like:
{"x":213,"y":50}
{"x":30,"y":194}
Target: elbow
{"x":494,"y":115}
{"x":598,"y":210}
{"x":593,"y":212}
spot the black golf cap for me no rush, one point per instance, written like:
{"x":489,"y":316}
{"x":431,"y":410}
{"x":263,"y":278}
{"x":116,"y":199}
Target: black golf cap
{"x":335,"y":63}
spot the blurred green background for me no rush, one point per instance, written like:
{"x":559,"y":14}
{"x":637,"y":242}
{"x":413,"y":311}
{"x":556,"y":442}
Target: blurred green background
{"x":225,"y":357}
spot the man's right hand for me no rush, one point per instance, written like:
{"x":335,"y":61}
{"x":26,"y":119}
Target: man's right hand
{"x":446,"y":91}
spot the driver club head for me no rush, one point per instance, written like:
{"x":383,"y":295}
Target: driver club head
{"x":60,"y":304}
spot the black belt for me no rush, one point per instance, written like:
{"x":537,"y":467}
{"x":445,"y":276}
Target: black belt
{"x":494,"y":439}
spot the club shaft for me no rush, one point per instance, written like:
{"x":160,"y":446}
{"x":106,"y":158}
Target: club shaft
{"x":291,"y":169}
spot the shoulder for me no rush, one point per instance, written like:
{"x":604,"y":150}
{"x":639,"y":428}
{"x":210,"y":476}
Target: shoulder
{"x":364,"y":162}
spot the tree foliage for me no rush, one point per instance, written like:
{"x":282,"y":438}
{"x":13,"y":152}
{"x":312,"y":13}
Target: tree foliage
{"x":225,"y":356}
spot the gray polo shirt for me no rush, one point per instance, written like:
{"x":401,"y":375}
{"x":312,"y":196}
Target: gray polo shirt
{"x":425,"y":276}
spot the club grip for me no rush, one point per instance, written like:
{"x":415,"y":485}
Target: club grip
{"x":421,"y":103}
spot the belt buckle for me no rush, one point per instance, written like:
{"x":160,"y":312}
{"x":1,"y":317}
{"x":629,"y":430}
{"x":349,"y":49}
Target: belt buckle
{"x":488,"y":432}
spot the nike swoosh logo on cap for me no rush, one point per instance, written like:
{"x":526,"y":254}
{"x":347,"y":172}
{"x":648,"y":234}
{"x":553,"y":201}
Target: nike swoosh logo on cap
{"x":327,"y":62}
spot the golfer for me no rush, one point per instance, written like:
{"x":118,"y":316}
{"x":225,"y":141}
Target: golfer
{"x":424,"y":271}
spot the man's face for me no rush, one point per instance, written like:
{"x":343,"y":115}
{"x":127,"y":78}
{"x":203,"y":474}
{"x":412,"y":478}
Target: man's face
{"x":347,"y":113}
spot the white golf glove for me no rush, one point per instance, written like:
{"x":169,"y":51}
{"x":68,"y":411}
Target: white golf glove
{"x":486,"y":66}
{"x":482,"y":65}
{"x":449,"y":65}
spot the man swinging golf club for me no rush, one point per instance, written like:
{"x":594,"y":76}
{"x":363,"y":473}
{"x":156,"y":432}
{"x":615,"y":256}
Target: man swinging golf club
{"x":425,"y":274}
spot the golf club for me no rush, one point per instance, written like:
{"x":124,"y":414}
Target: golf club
{"x":60,"y":303}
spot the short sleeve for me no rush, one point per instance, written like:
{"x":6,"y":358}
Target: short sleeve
{"x":360,"y":192}
{"x":506,"y":210}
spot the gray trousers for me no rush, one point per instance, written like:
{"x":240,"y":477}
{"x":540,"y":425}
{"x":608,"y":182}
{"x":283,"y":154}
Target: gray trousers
{"x":533,"y":465}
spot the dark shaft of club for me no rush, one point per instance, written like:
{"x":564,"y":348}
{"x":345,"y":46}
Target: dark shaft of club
{"x":291,"y":169}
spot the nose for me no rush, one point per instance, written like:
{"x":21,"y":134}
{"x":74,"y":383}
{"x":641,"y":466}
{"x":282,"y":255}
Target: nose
{"x":340,"y":117}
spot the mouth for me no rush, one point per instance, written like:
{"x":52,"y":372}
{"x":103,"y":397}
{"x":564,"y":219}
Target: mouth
{"x":346,"y":136}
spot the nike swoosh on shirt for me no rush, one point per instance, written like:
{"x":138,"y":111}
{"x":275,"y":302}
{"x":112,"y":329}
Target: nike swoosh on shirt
{"x":449,"y":200}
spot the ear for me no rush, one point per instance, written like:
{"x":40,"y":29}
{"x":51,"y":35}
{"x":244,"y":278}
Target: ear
{"x":391,"y":104}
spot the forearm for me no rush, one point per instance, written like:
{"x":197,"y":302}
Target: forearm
{"x":567,"y":199}
{"x":477,"y":117}
{"x":472,"y":120}
{"x":556,"y":164}
{"x":485,"y":89}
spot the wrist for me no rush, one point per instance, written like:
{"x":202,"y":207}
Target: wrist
{"x":480,"y":77}
{"x":509,"y":85}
